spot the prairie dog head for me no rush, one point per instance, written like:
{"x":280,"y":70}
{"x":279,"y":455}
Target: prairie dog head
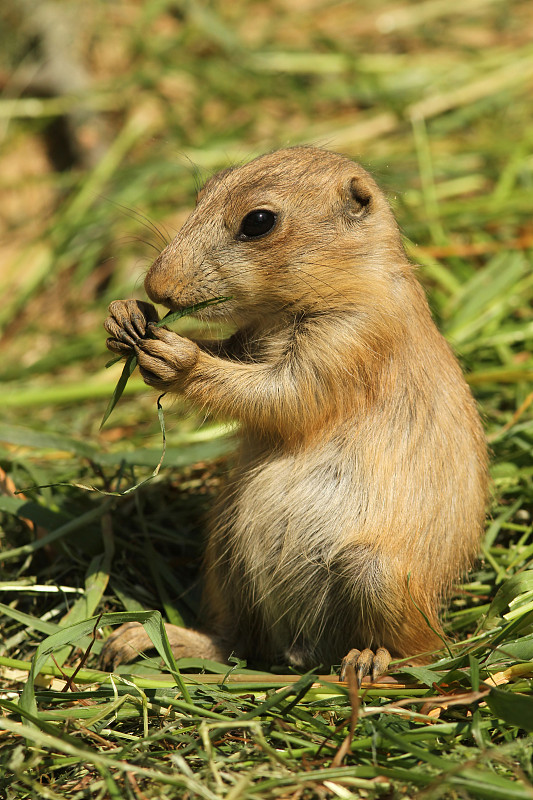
{"x":299,"y":229}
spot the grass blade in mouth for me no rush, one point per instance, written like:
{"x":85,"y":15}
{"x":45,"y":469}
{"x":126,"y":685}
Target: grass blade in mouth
{"x":173,"y":316}
{"x":131,"y":361}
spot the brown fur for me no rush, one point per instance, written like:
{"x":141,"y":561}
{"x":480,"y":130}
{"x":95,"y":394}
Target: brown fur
{"x":361,"y":484}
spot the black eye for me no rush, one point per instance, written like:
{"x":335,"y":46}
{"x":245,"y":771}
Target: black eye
{"x":257,"y":223}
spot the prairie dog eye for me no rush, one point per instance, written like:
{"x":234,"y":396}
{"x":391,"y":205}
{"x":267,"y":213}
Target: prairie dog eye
{"x":257,"y":223}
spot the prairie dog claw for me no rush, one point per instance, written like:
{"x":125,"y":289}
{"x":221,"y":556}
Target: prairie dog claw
{"x":365,"y":663}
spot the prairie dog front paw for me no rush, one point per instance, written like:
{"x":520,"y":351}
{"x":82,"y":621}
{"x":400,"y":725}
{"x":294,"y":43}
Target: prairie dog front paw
{"x":165,"y":358}
{"x":127,"y":323}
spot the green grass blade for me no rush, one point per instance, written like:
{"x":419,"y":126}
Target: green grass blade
{"x":152,"y":622}
{"x":513,"y":707}
{"x":127,"y":371}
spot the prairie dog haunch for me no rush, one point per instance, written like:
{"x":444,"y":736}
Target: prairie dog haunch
{"x":361,"y":483}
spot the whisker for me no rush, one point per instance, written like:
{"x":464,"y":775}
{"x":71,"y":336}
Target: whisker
{"x":136,"y":215}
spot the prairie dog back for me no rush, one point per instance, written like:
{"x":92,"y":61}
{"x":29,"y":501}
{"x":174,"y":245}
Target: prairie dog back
{"x":360,"y":489}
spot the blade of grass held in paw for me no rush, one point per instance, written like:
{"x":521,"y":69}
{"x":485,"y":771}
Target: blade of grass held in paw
{"x":129,"y":366}
{"x":131,"y":361}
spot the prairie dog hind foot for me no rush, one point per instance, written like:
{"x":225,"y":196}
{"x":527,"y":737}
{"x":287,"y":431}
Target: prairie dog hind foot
{"x":131,"y":639}
{"x":366,"y":662}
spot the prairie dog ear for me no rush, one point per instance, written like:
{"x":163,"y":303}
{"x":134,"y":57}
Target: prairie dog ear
{"x":359,"y":196}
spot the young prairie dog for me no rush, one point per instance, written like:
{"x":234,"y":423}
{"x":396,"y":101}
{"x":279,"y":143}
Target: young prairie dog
{"x":359,"y":494}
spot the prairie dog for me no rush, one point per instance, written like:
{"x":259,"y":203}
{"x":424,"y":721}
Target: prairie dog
{"x":360,"y":490}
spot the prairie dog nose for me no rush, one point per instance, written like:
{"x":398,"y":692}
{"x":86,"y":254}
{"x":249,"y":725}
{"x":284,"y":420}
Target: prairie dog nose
{"x":161,"y":283}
